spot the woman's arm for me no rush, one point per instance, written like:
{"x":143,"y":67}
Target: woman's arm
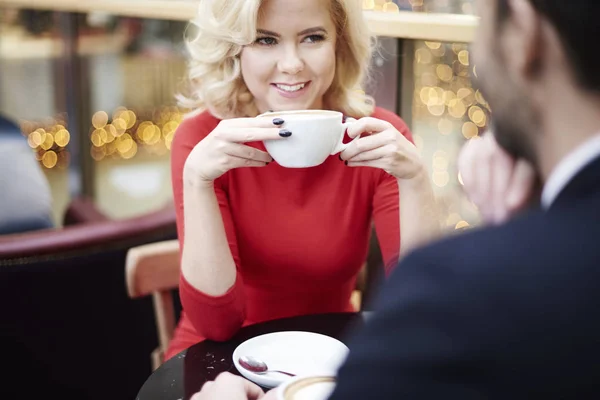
{"x":405,"y":210}
{"x":420,"y":217}
{"x":208,"y":290}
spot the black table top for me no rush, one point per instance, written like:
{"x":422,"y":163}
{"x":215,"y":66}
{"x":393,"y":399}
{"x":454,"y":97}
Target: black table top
{"x":184,"y":374}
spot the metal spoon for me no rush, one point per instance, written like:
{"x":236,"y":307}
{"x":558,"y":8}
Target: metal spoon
{"x":257,"y":366}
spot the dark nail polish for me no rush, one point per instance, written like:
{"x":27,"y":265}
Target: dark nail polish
{"x":278,"y":121}
{"x":346,"y":162}
{"x":285,"y":133}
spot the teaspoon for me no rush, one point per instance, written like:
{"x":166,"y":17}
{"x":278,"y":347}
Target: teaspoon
{"x":257,"y":366}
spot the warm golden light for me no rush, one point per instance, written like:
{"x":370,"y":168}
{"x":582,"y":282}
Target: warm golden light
{"x":433,"y":45}
{"x":390,"y":7}
{"x":120,"y":125}
{"x":96,"y":137}
{"x":49,"y":159}
{"x":99,"y":119}
{"x":456,"y":108}
{"x":124,"y":143}
{"x":444,"y":72}
{"x":463,"y":57}
{"x":48,"y":141}
{"x":462,"y":224}
{"x":469,"y":130}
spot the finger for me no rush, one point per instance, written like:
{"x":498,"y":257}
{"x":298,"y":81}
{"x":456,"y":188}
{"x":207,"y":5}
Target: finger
{"x":239,"y":162}
{"x":243,"y":135}
{"x":258,"y":122}
{"x":381,"y":163}
{"x":502,"y":168}
{"x":374,"y":154}
{"x":367,"y":125}
{"x":467,"y":161}
{"x":368,"y":143}
{"x":253,"y":392}
{"x":483,"y":179}
{"x":247,"y":152}
{"x":521,"y":185}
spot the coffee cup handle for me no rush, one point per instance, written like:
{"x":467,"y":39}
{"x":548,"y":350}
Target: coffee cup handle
{"x":341,"y":146}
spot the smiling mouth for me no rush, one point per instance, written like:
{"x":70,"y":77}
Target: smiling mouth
{"x":291,"y":88}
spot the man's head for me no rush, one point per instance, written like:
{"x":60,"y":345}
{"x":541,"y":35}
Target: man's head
{"x":524,"y":50}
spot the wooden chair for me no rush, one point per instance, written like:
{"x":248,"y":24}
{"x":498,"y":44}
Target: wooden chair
{"x":153,"y":269}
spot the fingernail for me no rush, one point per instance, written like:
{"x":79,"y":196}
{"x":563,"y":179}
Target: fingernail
{"x":285,"y":133}
{"x":278,"y":121}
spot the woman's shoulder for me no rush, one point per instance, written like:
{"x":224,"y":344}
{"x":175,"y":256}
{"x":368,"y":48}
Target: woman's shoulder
{"x":389,"y":116}
{"x":198,"y":123}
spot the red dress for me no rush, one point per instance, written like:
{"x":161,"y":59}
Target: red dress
{"x":298,"y":236}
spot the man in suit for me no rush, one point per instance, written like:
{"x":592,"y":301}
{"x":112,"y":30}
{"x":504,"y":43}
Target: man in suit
{"x":508,"y":311}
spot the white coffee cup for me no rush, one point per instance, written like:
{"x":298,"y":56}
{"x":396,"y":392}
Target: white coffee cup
{"x":318,"y":387}
{"x":316,"y":134}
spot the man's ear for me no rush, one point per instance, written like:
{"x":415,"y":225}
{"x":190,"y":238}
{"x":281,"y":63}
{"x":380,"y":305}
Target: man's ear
{"x":524,"y":46}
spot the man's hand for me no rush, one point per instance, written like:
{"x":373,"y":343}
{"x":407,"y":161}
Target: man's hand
{"x":230,"y":387}
{"x":495,"y":182}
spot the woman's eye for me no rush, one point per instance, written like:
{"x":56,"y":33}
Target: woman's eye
{"x":314,"y":38}
{"x":266,"y":41}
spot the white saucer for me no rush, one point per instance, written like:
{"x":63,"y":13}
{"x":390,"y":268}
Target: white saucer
{"x":297,"y":352}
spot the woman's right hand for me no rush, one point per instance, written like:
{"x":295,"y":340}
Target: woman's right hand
{"x":225,"y":149}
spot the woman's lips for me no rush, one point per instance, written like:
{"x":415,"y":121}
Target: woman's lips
{"x":291,"y":91}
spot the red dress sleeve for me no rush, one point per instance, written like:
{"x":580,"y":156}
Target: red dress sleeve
{"x":386,"y":212}
{"x":214,"y":317}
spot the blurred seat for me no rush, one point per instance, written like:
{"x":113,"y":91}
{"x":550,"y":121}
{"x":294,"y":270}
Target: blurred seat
{"x":153,"y":269}
{"x":68,"y":326}
{"x":26,"y":202}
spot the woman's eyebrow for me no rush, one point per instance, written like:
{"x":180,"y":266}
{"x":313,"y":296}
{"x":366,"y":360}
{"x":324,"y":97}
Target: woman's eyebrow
{"x":304,"y":32}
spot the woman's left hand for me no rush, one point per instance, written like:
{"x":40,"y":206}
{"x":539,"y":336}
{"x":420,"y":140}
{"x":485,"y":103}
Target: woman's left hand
{"x":382,"y":147}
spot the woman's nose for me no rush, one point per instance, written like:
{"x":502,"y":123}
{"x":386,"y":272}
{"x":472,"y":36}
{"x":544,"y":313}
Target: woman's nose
{"x":291,"y":62}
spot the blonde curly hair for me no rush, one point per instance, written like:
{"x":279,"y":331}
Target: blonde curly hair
{"x":216,"y":37}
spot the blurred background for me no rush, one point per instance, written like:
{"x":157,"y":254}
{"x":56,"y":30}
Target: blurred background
{"x":87,"y":118}
{"x":93,"y":95}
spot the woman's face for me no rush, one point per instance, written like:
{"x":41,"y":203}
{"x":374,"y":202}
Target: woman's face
{"x":291,"y":64}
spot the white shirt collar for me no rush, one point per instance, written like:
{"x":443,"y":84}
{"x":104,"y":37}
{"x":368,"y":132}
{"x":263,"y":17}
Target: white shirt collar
{"x":568,"y":167}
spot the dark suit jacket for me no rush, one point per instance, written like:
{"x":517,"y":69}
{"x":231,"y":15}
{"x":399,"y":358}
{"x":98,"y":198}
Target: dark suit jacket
{"x":510,"y":312}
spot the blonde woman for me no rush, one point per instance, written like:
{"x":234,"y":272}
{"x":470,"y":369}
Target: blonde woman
{"x":260,"y":241}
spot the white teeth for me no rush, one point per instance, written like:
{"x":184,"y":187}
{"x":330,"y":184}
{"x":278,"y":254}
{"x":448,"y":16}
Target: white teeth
{"x":288,"y":88}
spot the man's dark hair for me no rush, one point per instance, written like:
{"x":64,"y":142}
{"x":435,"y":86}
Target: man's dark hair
{"x":578,"y":25}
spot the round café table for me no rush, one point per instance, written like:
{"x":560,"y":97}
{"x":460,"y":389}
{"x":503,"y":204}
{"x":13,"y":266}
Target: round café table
{"x":184,"y":374}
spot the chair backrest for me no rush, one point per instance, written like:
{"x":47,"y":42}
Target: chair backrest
{"x":68,"y":323}
{"x":153,"y":269}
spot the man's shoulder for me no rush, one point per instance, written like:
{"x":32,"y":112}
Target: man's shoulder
{"x":472,"y":245}
{"x":536,"y":244}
